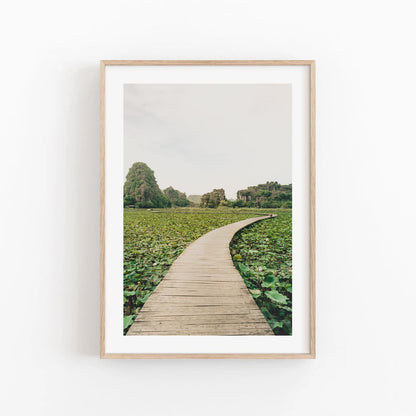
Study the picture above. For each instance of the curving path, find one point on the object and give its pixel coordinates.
(203, 293)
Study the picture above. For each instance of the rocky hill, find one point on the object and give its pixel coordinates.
(267, 195)
(213, 199)
(195, 199)
(141, 189)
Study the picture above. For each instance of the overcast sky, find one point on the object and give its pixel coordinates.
(197, 137)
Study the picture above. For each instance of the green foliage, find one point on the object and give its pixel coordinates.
(277, 297)
(238, 204)
(269, 280)
(267, 195)
(141, 189)
(262, 253)
(128, 322)
(255, 293)
(213, 199)
(153, 241)
(177, 199)
(129, 201)
(225, 203)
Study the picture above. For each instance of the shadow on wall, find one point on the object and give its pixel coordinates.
(83, 158)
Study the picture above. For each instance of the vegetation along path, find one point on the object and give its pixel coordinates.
(203, 294)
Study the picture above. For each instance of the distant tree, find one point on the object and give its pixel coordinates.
(129, 201)
(225, 203)
(238, 204)
(176, 198)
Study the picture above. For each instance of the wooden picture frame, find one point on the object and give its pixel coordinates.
(310, 66)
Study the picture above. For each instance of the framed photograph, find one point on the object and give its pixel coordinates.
(207, 209)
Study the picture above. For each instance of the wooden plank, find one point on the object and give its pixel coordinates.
(102, 210)
(284, 62)
(234, 318)
(201, 310)
(223, 331)
(213, 293)
(312, 196)
(197, 326)
(166, 296)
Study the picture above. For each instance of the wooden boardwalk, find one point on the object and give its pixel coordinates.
(203, 293)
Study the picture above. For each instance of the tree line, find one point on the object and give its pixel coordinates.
(142, 191)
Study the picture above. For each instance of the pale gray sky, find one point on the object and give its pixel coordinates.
(197, 137)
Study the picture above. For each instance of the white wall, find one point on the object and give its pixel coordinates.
(49, 92)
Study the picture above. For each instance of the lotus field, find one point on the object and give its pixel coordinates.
(262, 253)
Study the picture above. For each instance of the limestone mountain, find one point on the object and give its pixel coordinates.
(267, 195)
(213, 199)
(141, 189)
(195, 199)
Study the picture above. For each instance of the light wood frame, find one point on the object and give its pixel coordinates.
(312, 290)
